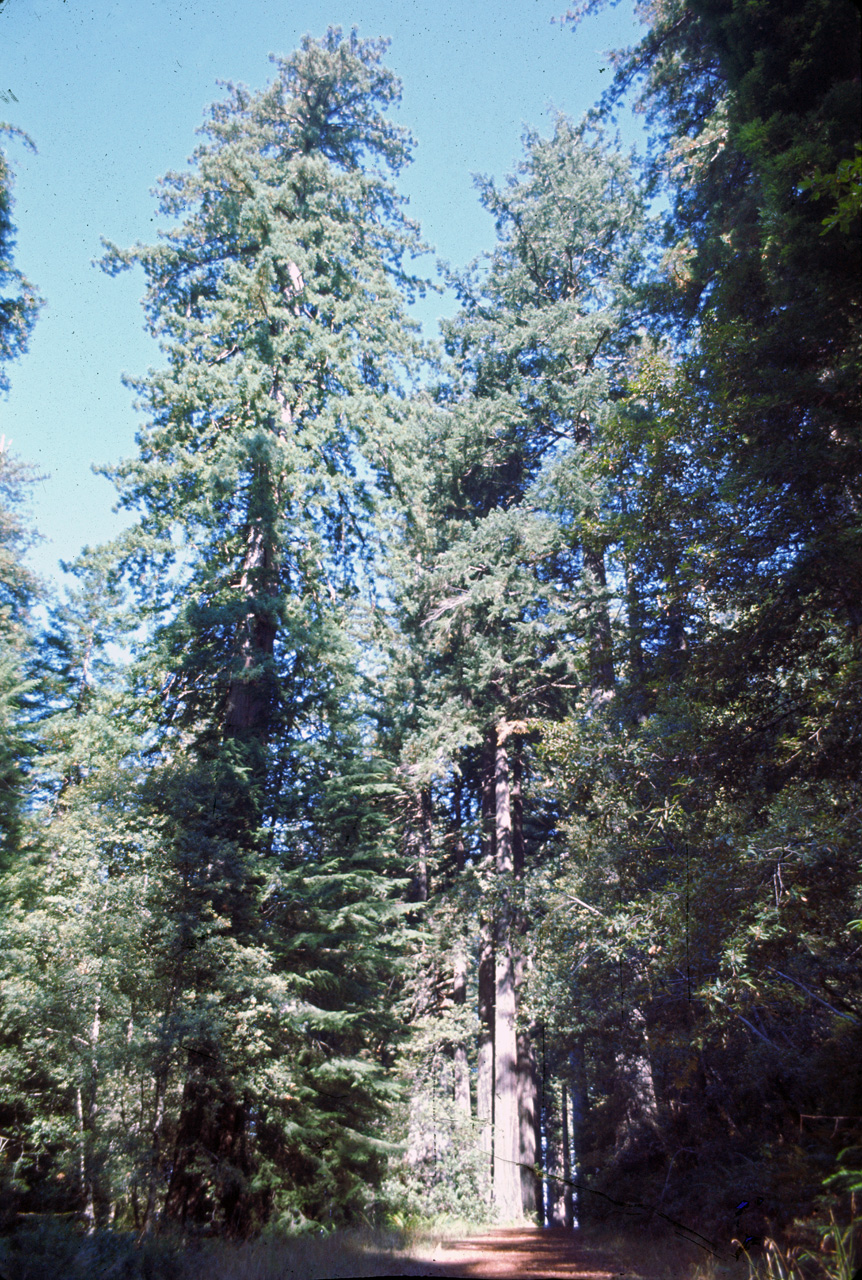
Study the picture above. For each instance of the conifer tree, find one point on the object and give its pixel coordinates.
(19, 301)
(278, 299)
(19, 589)
(19, 304)
(503, 590)
(734, 464)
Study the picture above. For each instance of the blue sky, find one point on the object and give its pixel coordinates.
(111, 92)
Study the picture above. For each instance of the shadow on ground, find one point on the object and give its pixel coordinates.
(523, 1252)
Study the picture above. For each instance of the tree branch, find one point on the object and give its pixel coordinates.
(819, 999)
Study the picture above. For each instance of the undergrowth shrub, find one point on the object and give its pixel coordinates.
(50, 1249)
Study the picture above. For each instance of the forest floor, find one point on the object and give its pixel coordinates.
(516, 1253)
(534, 1253)
(524, 1252)
(56, 1252)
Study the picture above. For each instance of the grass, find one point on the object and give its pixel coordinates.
(356, 1253)
(52, 1251)
(307, 1257)
(645, 1255)
(669, 1258)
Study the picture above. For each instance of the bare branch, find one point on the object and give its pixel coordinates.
(819, 999)
(451, 602)
(586, 906)
(760, 1034)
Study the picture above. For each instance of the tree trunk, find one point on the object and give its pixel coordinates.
(579, 1105)
(507, 1138)
(485, 1056)
(555, 1158)
(568, 1189)
(88, 1105)
(160, 1086)
(459, 847)
(420, 884)
(528, 1084)
(601, 637)
(677, 647)
(210, 1167)
(460, 1067)
(84, 1164)
(148, 1221)
(485, 1045)
(637, 1127)
(517, 814)
(251, 693)
(677, 639)
(635, 631)
(530, 1129)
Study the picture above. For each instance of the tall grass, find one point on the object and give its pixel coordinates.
(340, 1254)
(676, 1258)
(837, 1258)
(50, 1250)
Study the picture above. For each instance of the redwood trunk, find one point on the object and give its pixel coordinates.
(555, 1155)
(485, 1056)
(507, 1138)
(530, 1127)
(210, 1164)
(485, 1042)
(460, 1067)
(637, 1129)
(250, 700)
(528, 1080)
(579, 1105)
(568, 1201)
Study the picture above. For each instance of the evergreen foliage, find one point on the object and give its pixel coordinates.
(443, 799)
(19, 590)
(19, 304)
(223, 873)
(19, 301)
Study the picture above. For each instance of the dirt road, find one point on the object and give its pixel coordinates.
(527, 1253)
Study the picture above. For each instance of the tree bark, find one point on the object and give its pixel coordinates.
(517, 813)
(160, 1086)
(84, 1163)
(555, 1157)
(460, 1067)
(426, 815)
(210, 1164)
(459, 847)
(637, 1127)
(635, 632)
(156, 1127)
(528, 1082)
(579, 1107)
(87, 1105)
(507, 1138)
(250, 700)
(530, 1128)
(485, 1044)
(485, 1055)
(568, 1189)
(252, 691)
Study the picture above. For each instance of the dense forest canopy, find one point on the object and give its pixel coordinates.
(444, 797)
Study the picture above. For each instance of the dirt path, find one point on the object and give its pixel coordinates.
(527, 1253)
